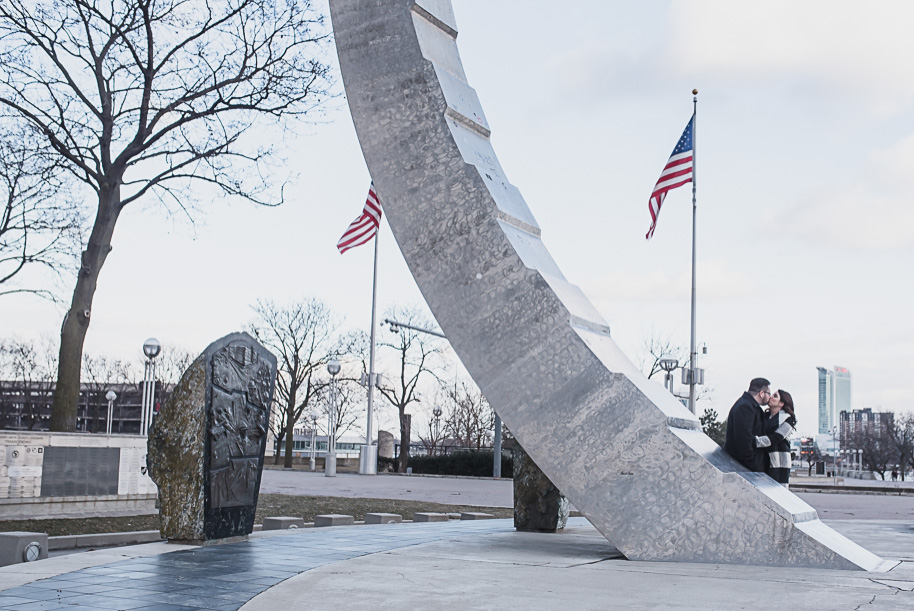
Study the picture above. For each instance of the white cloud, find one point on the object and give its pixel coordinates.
(871, 212)
(894, 164)
(863, 48)
(852, 218)
(717, 278)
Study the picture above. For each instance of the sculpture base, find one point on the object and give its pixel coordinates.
(368, 459)
(538, 504)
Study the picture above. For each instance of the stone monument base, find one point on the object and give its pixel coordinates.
(538, 504)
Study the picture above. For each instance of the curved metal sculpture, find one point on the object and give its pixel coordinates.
(630, 457)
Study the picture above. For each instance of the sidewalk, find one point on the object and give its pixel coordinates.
(446, 566)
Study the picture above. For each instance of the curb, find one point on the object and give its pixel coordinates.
(815, 488)
(95, 540)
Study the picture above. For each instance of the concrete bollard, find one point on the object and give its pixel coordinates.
(282, 522)
(333, 520)
(475, 516)
(430, 517)
(378, 518)
(22, 547)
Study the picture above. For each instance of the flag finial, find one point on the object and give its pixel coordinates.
(694, 92)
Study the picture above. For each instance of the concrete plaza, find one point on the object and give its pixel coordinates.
(454, 565)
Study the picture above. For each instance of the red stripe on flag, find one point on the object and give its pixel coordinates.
(365, 226)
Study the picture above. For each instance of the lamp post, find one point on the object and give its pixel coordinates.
(312, 463)
(496, 449)
(668, 365)
(437, 413)
(110, 396)
(151, 348)
(333, 366)
(834, 444)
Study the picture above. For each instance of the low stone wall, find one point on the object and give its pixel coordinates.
(55, 475)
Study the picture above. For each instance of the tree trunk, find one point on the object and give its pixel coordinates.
(76, 321)
(290, 427)
(405, 426)
(279, 439)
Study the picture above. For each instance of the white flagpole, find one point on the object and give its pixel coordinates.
(368, 463)
(692, 352)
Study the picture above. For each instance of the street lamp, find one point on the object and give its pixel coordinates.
(668, 365)
(437, 414)
(333, 366)
(834, 459)
(312, 463)
(110, 396)
(151, 348)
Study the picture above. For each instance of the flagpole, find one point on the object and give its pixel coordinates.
(368, 463)
(692, 352)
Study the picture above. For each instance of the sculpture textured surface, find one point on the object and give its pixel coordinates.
(629, 456)
(206, 445)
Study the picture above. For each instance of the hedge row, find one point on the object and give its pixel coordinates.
(456, 464)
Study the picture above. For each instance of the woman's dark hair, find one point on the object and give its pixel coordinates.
(788, 402)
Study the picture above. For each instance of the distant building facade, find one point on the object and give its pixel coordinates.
(855, 423)
(26, 406)
(834, 396)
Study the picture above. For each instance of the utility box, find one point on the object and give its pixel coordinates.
(22, 547)
(687, 376)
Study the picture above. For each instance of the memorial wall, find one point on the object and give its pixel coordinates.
(54, 474)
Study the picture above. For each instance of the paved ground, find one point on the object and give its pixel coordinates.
(458, 564)
(446, 566)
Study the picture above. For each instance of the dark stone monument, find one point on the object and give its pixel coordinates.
(538, 504)
(206, 444)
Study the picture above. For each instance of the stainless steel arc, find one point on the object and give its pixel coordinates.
(629, 456)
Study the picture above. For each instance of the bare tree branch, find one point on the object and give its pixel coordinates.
(141, 98)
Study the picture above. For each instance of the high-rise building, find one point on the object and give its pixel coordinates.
(834, 396)
(826, 400)
(842, 390)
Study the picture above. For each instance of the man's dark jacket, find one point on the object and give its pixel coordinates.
(746, 421)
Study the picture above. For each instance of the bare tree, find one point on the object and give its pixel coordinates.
(152, 98)
(434, 430)
(350, 404)
(902, 434)
(36, 228)
(301, 335)
(99, 374)
(656, 348)
(470, 419)
(414, 351)
(811, 454)
(171, 364)
(29, 367)
(878, 452)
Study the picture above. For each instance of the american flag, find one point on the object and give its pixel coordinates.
(677, 172)
(364, 228)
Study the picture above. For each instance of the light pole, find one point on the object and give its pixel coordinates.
(437, 413)
(151, 348)
(834, 444)
(333, 366)
(110, 396)
(668, 365)
(312, 463)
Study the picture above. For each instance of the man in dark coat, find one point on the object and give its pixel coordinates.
(746, 421)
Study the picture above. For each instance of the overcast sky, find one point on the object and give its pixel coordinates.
(805, 150)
